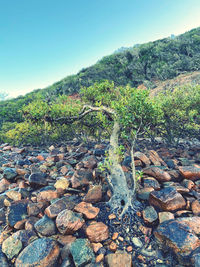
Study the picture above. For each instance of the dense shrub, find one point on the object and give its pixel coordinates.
(180, 113)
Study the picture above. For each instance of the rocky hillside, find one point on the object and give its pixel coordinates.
(53, 208)
(181, 80)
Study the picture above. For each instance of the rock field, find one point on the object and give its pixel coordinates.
(53, 208)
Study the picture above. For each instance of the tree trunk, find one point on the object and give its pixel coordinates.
(122, 193)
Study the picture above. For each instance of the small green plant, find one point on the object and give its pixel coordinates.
(106, 164)
(120, 151)
(139, 175)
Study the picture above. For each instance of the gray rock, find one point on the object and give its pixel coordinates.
(45, 226)
(149, 215)
(37, 179)
(151, 182)
(41, 252)
(9, 173)
(11, 247)
(81, 252)
(24, 236)
(17, 212)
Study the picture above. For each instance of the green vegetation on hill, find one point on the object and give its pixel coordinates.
(159, 60)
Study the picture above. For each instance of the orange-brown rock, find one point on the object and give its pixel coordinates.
(196, 165)
(155, 158)
(20, 225)
(182, 213)
(40, 157)
(165, 153)
(18, 150)
(14, 195)
(99, 258)
(165, 216)
(68, 222)
(65, 239)
(94, 194)
(120, 238)
(21, 172)
(121, 259)
(62, 183)
(160, 175)
(53, 158)
(89, 211)
(97, 232)
(115, 236)
(47, 195)
(125, 169)
(96, 247)
(113, 246)
(90, 162)
(111, 216)
(182, 189)
(141, 156)
(61, 156)
(129, 248)
(4, 185)
(64, 170)
(190, 172)
(22, 184)
(167, 199)
(192, 222)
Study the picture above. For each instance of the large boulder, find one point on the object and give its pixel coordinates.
(41, 252)
(178, 236)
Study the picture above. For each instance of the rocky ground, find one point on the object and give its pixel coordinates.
(53, 208)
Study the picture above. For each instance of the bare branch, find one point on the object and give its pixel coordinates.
(86, 110)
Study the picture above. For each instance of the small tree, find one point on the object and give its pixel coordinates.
(127, 112)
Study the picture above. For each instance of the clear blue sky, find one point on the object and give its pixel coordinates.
(43, 41)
